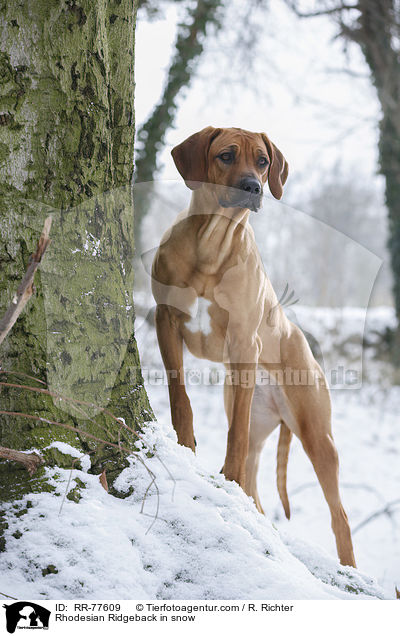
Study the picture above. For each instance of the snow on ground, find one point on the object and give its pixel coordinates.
(208, 541)
(366, 428)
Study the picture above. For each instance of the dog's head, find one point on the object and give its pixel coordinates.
(238, 160)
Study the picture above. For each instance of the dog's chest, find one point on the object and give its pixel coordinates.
(204, 332)
(200, 321)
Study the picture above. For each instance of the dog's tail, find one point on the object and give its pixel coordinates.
(285, 437)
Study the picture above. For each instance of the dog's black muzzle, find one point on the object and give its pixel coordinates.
(247, 194)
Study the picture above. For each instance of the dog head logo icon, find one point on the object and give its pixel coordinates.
(26, 615)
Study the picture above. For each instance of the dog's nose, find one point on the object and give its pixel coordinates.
(250, 185)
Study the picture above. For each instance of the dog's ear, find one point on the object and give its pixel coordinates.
(191, 156)
(278, 168)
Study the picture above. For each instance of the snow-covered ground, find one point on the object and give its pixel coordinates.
(366, 427)
(208, 541)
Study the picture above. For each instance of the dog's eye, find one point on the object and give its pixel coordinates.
(262, 162)
(227, 157)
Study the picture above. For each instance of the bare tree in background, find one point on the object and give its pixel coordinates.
(374, 25)
(189, 46)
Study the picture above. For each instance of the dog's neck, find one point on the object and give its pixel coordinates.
(204, 203)
(218, 230)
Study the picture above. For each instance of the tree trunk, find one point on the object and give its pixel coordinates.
(375, 36)
(376, 29)
(66, 147)
(389, 155)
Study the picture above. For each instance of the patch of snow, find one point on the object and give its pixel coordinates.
(67, 449)
(207, 542)
(92, 244)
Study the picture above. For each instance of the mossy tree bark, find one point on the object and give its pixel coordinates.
(66, 147)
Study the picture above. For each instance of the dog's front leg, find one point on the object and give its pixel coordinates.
(242, 377)
(171, 347)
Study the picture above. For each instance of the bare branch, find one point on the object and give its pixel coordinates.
(69, 427)
(121, 423)
(347, 71)
(23, 375)
(316, 14)
(387, 510)
(350, 33)
(67, 487)
(25, 290)
(79, 431)
(31, 461)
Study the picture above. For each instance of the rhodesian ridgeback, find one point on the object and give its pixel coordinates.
(209, 256)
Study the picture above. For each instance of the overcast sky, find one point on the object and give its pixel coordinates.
(293, 90)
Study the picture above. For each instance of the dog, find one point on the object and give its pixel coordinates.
(209, 256)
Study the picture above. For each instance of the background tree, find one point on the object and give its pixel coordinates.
(189, 46)
(66, 138)
(374, 25)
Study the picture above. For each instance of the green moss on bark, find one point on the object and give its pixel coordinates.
(66, 139)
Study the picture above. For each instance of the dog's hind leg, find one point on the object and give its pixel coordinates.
(322, 452)
(264, 419)
(311, 422)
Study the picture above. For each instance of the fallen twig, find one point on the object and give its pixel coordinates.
(25, 290)
(67, 487)
(7, 596)
(158, 502)
(31, 461)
